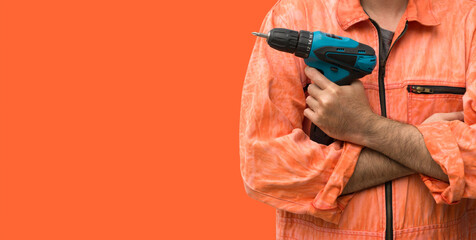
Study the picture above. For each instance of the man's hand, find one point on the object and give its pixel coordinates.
(437, 117)
(340, 111)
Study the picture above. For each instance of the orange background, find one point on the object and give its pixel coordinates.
(119, 120)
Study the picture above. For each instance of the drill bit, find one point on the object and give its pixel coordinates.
(260, 35)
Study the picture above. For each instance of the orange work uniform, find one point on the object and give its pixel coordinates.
(433, 52)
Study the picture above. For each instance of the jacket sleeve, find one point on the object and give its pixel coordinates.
(279, 164)
(452, 144)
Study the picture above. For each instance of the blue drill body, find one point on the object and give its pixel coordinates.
(365, 60)
(340, 59)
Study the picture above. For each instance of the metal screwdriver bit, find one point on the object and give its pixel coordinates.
(260, 35)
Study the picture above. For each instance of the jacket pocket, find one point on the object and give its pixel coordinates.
(425, 100)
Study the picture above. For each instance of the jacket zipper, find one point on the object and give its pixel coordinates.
(383, 110)
(429, 89)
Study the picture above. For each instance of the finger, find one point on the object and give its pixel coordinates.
(320, 80)
(314, 91)
(430, 119)
(312, 103)
(308, 113)
(453, 116)
(438, 117)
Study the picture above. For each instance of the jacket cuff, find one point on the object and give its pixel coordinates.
(442, 145)
(328, 204)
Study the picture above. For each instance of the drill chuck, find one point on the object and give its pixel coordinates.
(290, 41)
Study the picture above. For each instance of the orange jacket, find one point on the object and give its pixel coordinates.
(282, 167)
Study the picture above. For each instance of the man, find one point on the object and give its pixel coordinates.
(404, 165)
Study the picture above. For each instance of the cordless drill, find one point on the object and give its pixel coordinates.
(339, 59)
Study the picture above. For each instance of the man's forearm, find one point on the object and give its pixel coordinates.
(402, 143)
(373, 169)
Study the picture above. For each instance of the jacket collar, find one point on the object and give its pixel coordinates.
(350, 12)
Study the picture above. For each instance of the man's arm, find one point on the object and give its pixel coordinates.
(403, 143)
(373, 169)
(343, 112)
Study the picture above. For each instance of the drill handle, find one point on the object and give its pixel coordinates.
(319, 136)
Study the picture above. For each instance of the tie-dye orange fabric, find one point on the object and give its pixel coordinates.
(282, 167)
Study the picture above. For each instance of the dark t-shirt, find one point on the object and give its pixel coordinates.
(385, 46)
